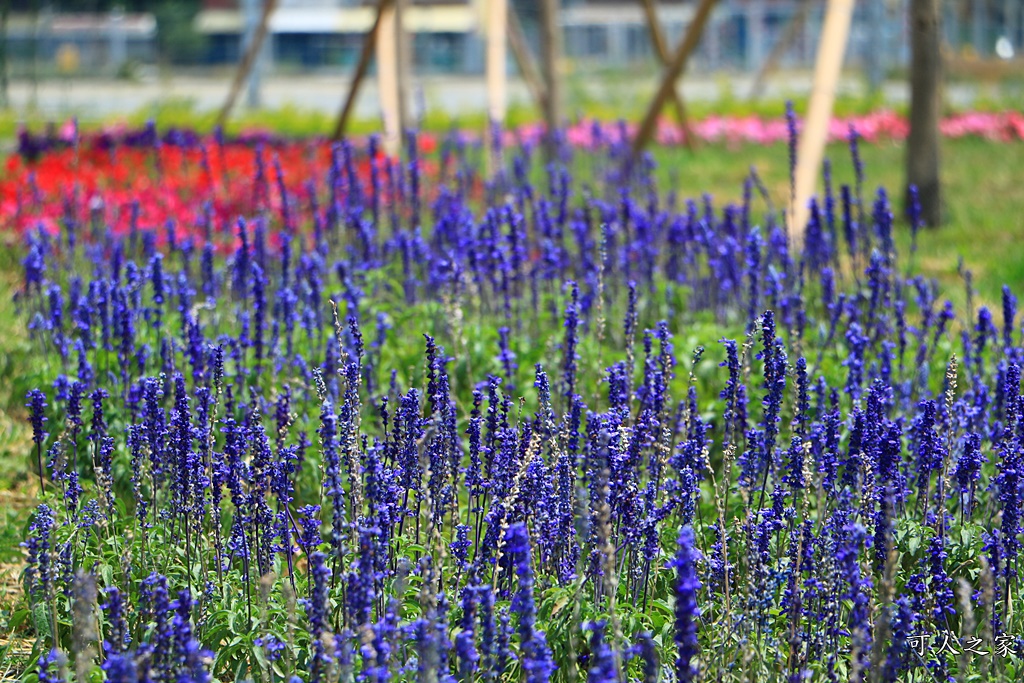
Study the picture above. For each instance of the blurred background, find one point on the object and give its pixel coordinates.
(95, 58)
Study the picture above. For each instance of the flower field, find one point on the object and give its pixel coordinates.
(304, 412)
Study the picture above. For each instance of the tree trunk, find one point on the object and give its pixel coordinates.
(551, 55)
(925, 102)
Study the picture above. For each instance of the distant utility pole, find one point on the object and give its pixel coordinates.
(979, 26)
(253, 40)
(755, 33)
(925, 102)
(118, 40)
(876, 45)
(1011, 16)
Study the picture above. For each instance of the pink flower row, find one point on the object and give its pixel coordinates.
(733, 130)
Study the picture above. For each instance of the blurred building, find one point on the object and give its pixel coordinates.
(312, 34)
(88, 42)
(446, 35)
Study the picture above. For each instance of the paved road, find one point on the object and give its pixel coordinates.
(451, 94)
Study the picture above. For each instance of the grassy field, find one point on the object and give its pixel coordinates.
(984, 200)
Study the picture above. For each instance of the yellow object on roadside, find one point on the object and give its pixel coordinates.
(67, 58)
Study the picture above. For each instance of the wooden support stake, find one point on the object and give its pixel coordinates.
(793, 27)
(365, 55)
(497, 70)
(834, 34)
(403, 59)
(524, 59)
(671, 75)
(248, 59)
(662, 53)
(387, 80)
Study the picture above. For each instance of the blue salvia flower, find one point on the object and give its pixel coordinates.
(55, 324)
(155, 605)
(731, 425)
(309, 527)
(940, 583)
(465, 641)
(460, 546)
(474, 471)
(968, 470)
(930, 450)
(602, 666)
(507, 358)
(333, 486)
(316, 612)
(104, 472)
(116, 636)
(98, 427)
(791, 130)
(753, 272)
(849, 539)
(535, 658)
(647, 651)
(34, 262)
(816, 247)
(883, 220)
(41, 571)
(1009, 313)
(569, 362)
(993, 548)
(857, 344)
(900, 655)
(52, 667)
(362, 580)
(191, 658)
(858, 164)
(135, 442)
(503, 649)
(775, 383)
(687, 612)
(119, 668)
(1010, 471)
(273, 647)
(37, 415)
(490, 639)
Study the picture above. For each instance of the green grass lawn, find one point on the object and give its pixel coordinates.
(983, 198)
